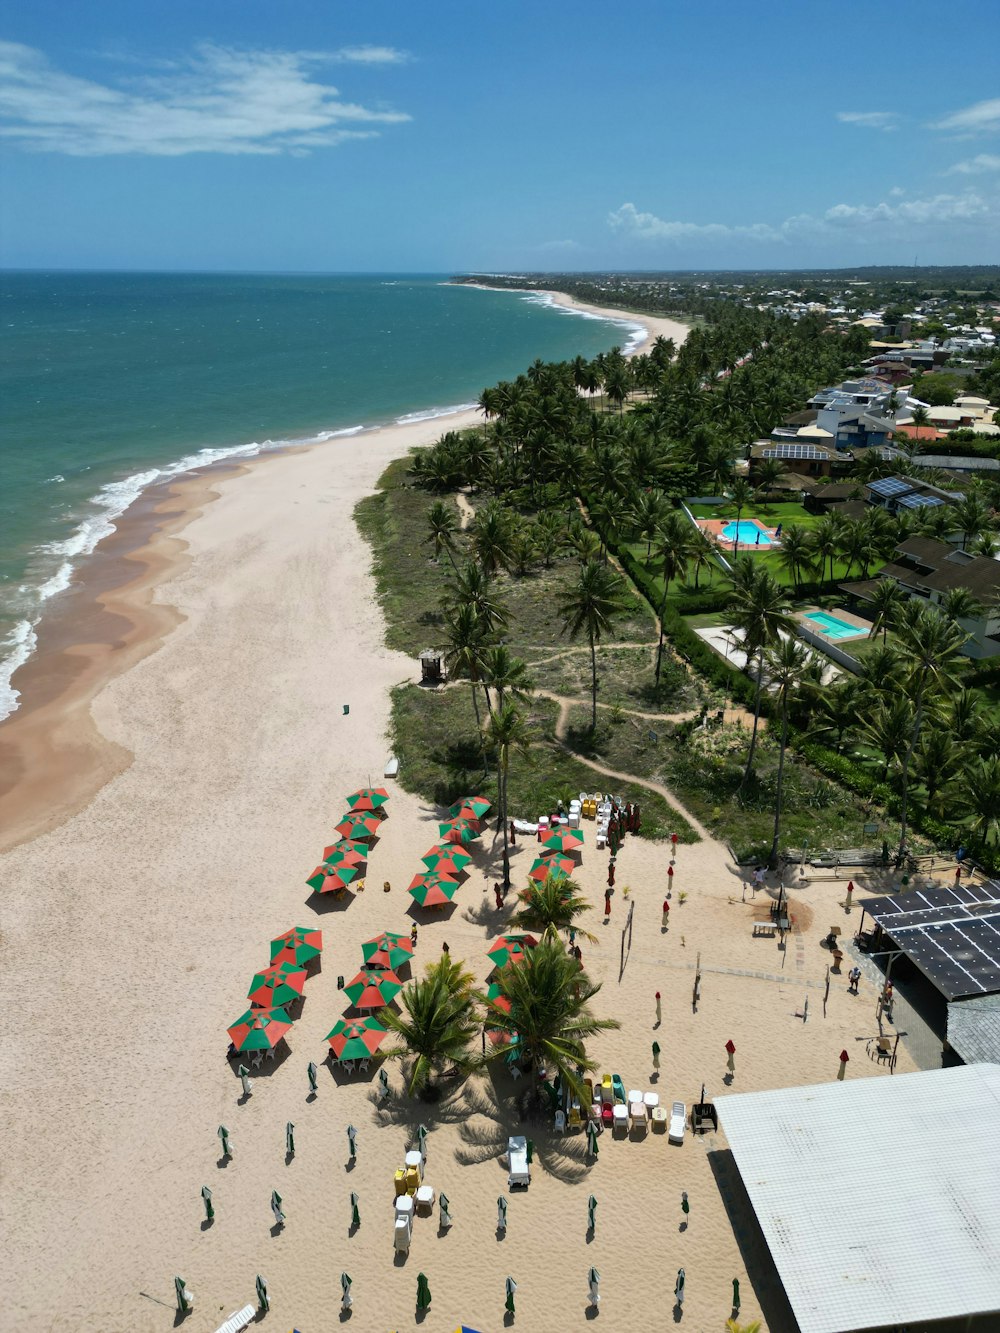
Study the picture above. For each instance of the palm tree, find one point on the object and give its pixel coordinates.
(671, 556)
(590, 607)
(442, 526)
(960, 604)
(507, 732)
(466, 642)
(649, 510)
(702, 553)
(551, 536)
(553, 905)
(937, 762)
(473, 585)
(827, 538)
(758, 607)
(836, 711)
(768, 472)
(887, 728)
(505, 674)
(741, 493)
(786, 661)
(491, 537)
(886, 600)
(436, 1024)
(549, 1017)
(979, 798)
(796, 553)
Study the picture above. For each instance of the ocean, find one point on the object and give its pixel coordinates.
(112, 381)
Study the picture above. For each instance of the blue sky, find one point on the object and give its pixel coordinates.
(440, 136)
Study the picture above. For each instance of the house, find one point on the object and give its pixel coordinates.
(931, 569)
(958, 463)
(845, 498)
(899, 494)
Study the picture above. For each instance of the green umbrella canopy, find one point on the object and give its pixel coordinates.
(259, 1029)
(387, 950)
(372, 988)
(510, 947)
(345, 852)
(432, 890)
(358, 827)
(281, 983)
(333, 878)
(459, 830)
(563, 840)
(559, 867)
(470, 807)
(298, 945)
(368, 798)
(355, 1038)
(448, 860)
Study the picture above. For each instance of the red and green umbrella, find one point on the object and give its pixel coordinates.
(449, 860)
(459, 830)
(470, 807)
(333, 879)
(498, 1036)
(495, 993)
(281, 983)
(387, 950)
(511, 947)
(259, 1029)
(373, 989)
(368, 798)
(345, 854)
(356, 1038)
(563, 840)
(297, 945)
(358, 827)
(559, 867)
(432, 890)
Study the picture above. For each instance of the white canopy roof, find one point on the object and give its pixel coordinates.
(878, 1197)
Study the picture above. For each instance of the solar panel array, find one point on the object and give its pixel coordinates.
(920, 501)
(806, 451)
(890, 486)
(952, 935)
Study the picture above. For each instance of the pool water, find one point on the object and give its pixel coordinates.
(832, 626)
(746, 532)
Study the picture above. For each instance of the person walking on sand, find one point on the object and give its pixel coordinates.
(854, 976)
(413, 935)
(665, 919)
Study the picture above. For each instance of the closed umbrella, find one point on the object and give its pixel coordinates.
(423, 1293)
(279, 1216)
(685, 1206)
(445, 1206)
(346, 1300)
(592, 1213)
(206, 1196)
(432, 890)
(368, 798)
(510, 1286)
(185, 1299)
(259, 1029)
(736, 1295)
(594, 1286)
(352, 1142)
(358, 827)
(279, 984)
(470, 807)
(731, 1052)
(592, 1147)
(656, 1055)
(312, 1074)
(290, 1139)
(355, 1215)
(448, 860)
(262, 1298)
(244, 1074)
(679, 1287)
(387, 949)
(373, 989)
(422, 1139)
(383, 1079)
(223, 1133)
(298, 945)
(356, 1038)
(501, 1213)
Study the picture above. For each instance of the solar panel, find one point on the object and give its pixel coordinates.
(799, 451)
(920, 501)
(889, 486)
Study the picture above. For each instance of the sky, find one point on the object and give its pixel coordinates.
(444, 136)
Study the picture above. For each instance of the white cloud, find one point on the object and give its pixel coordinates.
(980, 118)
(370, 55)
(871, 120)
(975, 166)
(881, 219)
(217, 100)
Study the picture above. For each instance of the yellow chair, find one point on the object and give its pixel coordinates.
(399, 1182)
(412, 1180)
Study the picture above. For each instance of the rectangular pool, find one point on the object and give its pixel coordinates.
(832, 626)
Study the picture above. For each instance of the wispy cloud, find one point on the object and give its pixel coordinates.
(870, 120)
(217, 100)
(370, 55)
(976, 166)
(870, 219)
(980, 118)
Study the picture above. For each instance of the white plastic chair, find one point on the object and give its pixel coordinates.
(560, 1122)
(675, 1130)
(515, 1072)
(256, 1059)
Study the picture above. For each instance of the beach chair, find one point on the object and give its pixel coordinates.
(399, 1182)
(573, 1119)
(619, 1089)
(364, 1066)
(515, 1071)
(518, 1170)
(240, 1320)
(589, 1085)
(401, 1233)
(619, 1114)
(560, 1123)
(256, 1059)
(607, 1089)
(675, 1130)
(607, 1115)
(637, 1116)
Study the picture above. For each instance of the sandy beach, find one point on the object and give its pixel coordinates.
(217, 760)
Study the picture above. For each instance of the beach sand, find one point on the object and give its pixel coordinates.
(132, 926)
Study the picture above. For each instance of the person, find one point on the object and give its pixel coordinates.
(887, 997)
(958, 872)
(854, 976)
(386, 886)
(498, 894)
(578, 954)
(572, 937)
(560, 808)
(638, 819)
(413, 934)
(611, 873)
(513, 834)
(444, 947)
(666, 913)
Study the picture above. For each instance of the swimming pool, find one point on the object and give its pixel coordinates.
(832, 626)
(747, 532)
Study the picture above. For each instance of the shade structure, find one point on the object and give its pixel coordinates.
(334, 879)
(470, 807)
(259, 1029)
(432, 890)
(281, 983)
(509, 948)
(372, 989)
(298, 945)
(495, 993)
(358, 827)
(345, 852)
(387, 950)
(356, 1038)
(450, 859)
(563, 840)
(368, 798)
(559, 867)
(459, 830)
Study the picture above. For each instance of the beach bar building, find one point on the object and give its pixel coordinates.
(877, 1199)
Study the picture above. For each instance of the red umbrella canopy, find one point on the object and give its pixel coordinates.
(356, 1038)
(511, 947)
(346, 853)
(446, 860)
(259, 1029)
(372, 989)
(459, 830)
(387, 950)
(297, 945)
(281, 983)
(559, 866)
(368, 798)
(358, 827)
(470, 807)
(432, 890)
(333, 879)
(563, 840)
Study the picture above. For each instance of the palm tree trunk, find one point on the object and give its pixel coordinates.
(905, 786)
(593, 689)
(772, 860)
(659, 646)
(756, 719)
(502, 775)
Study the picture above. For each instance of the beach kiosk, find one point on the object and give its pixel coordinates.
(432, 666)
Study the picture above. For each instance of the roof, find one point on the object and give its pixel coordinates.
(891, 487)
(919, 501)
(799, 451)
(920, 432)
(815, 433)
(952, 935)
(963, 463)
(877, 1196)
(974, 1029)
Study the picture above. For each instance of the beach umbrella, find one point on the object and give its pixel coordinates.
(736, 1295)
(345, 853)
(432, 890)
(510, 1286)
(656, 1055)
(372, 989)
(387, 949)
(356, 1038)
(423, 1292)
(259, 1029)
(449, 860)
(355, 1215)
(244, 1074)
(445, 1206)
(530, 1150)
(279, 984)
(592, 1147)
(298, 945)
(592, 1213)
(685, 1206)
(185, 1299)
(844, 1057)
(358, 827)
(559, 867)
(458, 830)
(422, 1139)
(368, 798)
(509, 948)
(501, 1213)
(679, 1287)
(383, 1079)
(564, 840)
(346, 1300)
(223, 1133)
(495, 993)
(470, 807)
(290, 1139)
(206, 1196)
(279, 1216)
(352, 1142)
(731, 1063)
(334, 879)
(262, 1299)
(594, 1286)
(312, 1075)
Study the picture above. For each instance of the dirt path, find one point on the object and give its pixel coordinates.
(465, 510)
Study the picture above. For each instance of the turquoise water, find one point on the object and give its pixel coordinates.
(110, 382)
(833, 626)
(748, 532)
